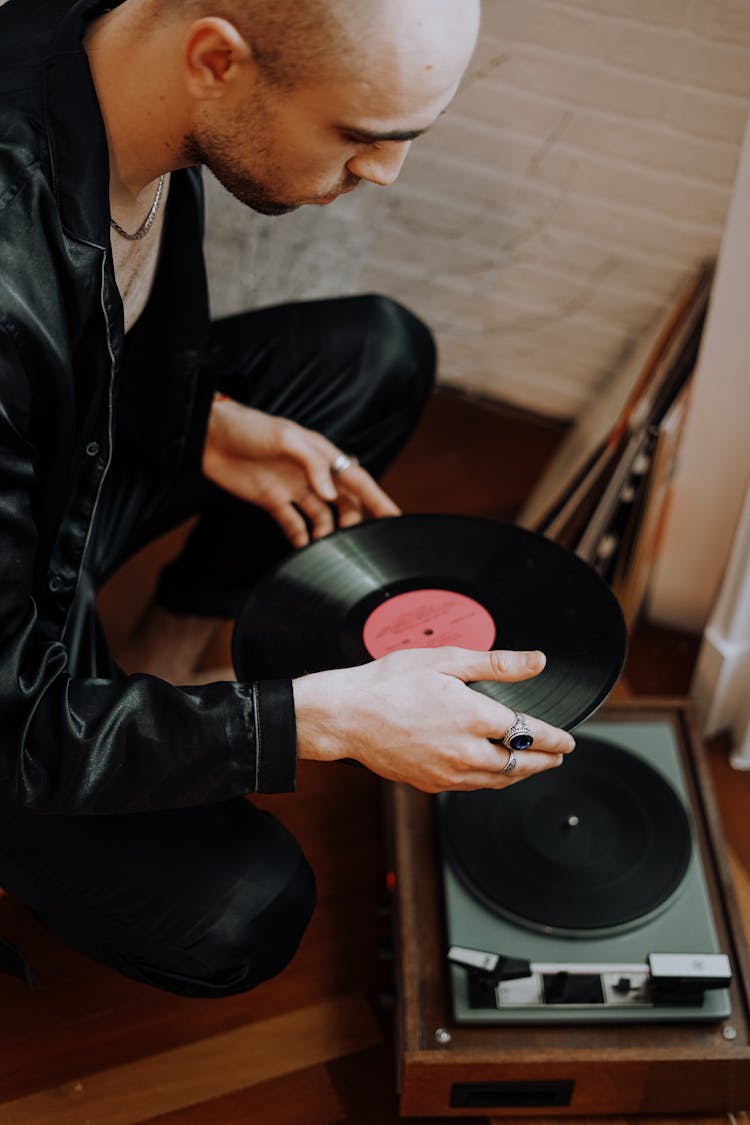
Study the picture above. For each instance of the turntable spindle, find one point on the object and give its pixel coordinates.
(572, 821)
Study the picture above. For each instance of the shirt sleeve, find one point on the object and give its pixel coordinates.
(74, 745)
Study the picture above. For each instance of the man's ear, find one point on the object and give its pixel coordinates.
(216, 54)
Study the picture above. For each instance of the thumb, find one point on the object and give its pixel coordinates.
(503, 665)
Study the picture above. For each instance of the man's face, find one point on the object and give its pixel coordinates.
(277, 149)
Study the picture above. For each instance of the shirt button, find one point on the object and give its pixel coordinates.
(92, 448)
(55, 583)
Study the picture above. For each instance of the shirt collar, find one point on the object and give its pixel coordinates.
(75, 128)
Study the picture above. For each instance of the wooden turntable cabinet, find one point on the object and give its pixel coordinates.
(446, 1068)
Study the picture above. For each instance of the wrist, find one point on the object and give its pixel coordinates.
(318, 732)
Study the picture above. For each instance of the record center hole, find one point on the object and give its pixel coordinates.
(429, 632)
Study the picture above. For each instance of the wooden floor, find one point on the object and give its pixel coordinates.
(313, 1047)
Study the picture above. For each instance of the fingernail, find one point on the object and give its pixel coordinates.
(534, 659)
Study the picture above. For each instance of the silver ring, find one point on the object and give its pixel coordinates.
(519, 735)
(510, 765)
(342, 462)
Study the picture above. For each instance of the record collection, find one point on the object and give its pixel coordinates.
(606, 492)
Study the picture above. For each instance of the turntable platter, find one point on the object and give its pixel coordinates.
(599, 843)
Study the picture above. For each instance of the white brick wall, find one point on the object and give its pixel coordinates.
(583, 170)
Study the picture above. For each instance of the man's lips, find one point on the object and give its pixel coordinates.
(326, 199)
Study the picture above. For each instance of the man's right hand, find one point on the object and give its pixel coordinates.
(411, 717)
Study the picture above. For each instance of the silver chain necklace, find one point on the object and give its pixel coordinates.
(148, 222)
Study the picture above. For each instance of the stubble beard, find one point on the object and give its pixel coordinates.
(216, 156)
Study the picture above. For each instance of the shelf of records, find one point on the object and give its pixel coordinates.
(606, 492)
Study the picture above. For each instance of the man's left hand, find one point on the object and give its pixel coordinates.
(285, 469)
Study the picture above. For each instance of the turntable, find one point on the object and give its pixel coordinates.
(589, 872)
(579, 950)
(608, 898)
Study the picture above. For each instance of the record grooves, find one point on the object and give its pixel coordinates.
(426, 580)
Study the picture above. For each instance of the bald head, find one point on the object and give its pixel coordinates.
(295, 42)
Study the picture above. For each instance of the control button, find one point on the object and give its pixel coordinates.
(55, 583)
(92, 448)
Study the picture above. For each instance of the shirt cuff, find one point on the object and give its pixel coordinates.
(275, 737)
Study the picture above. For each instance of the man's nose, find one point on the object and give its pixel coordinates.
(380, 165)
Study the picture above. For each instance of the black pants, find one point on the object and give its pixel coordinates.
(210, 901)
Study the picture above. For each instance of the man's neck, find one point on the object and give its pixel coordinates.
(139, 94)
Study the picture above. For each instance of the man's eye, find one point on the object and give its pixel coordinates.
(353, 139)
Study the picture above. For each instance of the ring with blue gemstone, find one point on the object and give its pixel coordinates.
(519, 735)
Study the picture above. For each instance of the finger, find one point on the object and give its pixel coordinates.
(494, 756)
(508, 666)
(547, 737)
(319, 514)
(317, 462)
(349, 510)
(321, 481)
(489, 750)
(491, 720)
(315, 455)
(501, 665)
(552, 740)
(547, 740)
(292, 524)
(496, 779)
(359, 483)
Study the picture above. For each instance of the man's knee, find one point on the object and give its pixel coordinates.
(241, 947)
(404, 347)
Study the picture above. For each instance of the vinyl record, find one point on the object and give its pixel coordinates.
(600, 844)
(427, 580)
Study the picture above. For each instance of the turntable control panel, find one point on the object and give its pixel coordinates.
(497, 982)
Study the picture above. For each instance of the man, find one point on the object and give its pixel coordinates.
(123, 822)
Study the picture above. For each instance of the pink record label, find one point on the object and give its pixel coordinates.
(428, 619)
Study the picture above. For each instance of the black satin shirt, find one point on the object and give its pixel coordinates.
(75, 735)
